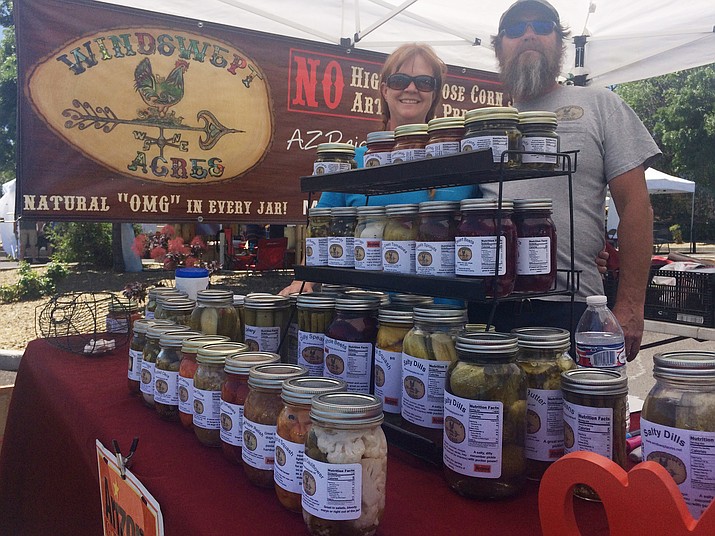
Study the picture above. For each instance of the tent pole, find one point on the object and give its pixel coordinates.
(692, 215)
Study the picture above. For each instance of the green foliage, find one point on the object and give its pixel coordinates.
(677, 233)
(83, 242)
(32, 284)
(8, 93)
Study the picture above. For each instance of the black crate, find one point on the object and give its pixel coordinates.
(690, 300)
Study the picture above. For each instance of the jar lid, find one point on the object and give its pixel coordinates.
(156, 291)
(411, 130)
(177, 304)
(396, 314)
(690, 365)
(547, 338)
(238, 300)
(316, 300)
(491, 113)
(346, 408)
(485, 203)
(155, 331)
(440, 314)
(335, 290)
(486, 343)
(163, 296)
(397, 210)
(175, 339)
(218, 352)
(369, 210)
(214, 296)
(344, 148)
(537, 117)
(343, 211)
(410, 299)
(242, 363)
(478, 328)
(302, 390)
(266, 301)
(191, 272)
(380, 135)
(383, 297)
(273, 375)
(441, 123)
(192, 344)
(141, 325)
(357, 302)
(593, 381)
(532, 204)
(318, 211)
(438, 206)
(118, 305)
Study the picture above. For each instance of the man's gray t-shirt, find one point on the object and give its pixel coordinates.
(611, 140)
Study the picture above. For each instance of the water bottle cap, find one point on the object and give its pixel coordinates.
(596, 300)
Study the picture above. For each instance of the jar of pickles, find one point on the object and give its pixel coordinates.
(350, 341)
(410, 143)
(233, 397)
(538, 135)
(427, 351)
(149, 355)
(542, 356)
(341, 237)
(266, 323)
(595, 396)
(208, 380)
(238, 300)
(315, 313)
(368, 237)
(177, 310)
(136, 350)
(436, 228)
(445, 136)
(379, 148)
(214, 313)
(154, 293)
(187, 369)
(260, 415)
(495, 128)
(334, 157)
(399, 239)
(678, 423)
(535, 245)
(476, 244)
(485, 398)
(394, 322)
(340, 421)
(166, 373)
(316, 241)
(292, 429)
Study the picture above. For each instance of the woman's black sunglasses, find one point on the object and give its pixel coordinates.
(423, 82)
(540, 27)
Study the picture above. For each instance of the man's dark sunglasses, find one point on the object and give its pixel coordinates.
(540, 27)
(423, 82)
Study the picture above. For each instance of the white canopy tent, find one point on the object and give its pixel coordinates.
(624, 41)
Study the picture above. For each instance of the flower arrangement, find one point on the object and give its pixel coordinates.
(165, 247)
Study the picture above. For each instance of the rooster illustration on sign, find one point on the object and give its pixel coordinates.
(158, 92)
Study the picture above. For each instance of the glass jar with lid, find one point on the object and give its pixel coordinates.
(238, 301)
(535, 245)
(260, 415)
(436, 228)
(379, 148)
(350, 341)
(476, 244)
(341, 237)
(121, 314)
(234, 391)
(496, 128)
(543, 357)
(368, 237)
(410, 300)
(316, 241)
(292, 428)
(485, 397)
(427, 351)
(399, 239)
(154, 293)
(166, 373)
(136, 350)
(538, 135)
(187, 369)
(315, 313)
(445, 136)
(266, 323)
(214, 313)
(291, 339)
(176, 309)
(149, 355)
(334, 157)
(341, 420)
(595, 395)
(394, 322)
(678, 423)
(208, 379)
(410, 142)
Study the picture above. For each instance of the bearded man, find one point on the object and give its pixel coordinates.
(614, 150)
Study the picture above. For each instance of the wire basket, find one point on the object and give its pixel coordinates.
(77, 322)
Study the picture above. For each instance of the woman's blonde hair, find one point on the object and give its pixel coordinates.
(398, 58)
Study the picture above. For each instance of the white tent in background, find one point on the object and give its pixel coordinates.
(7, 219)
(657, 183)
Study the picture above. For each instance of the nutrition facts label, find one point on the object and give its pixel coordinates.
(589, 429)
(332, 490)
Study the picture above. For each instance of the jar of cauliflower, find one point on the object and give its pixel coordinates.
(345, 465)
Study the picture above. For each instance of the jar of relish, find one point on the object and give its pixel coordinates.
(166, 374)
(476, 244)
(316, 241)
(535, 245)
(368, 237)
(538, 135)
(341, 237)
(445, 136)
(436, 228)
(399, 239)
(410, 142)
(334, 157)
(495, 128)
(379, 148)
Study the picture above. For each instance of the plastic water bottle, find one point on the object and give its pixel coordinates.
(599, 337)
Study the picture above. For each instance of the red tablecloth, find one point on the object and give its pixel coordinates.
(48, 470)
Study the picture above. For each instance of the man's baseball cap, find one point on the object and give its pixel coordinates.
(518, 7)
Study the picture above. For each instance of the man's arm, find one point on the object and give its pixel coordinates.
(635, 241)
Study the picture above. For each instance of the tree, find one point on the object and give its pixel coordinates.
(8, 93)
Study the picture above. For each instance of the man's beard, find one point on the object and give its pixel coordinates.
(528, 76)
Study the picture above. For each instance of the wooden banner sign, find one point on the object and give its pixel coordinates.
(152, 118)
